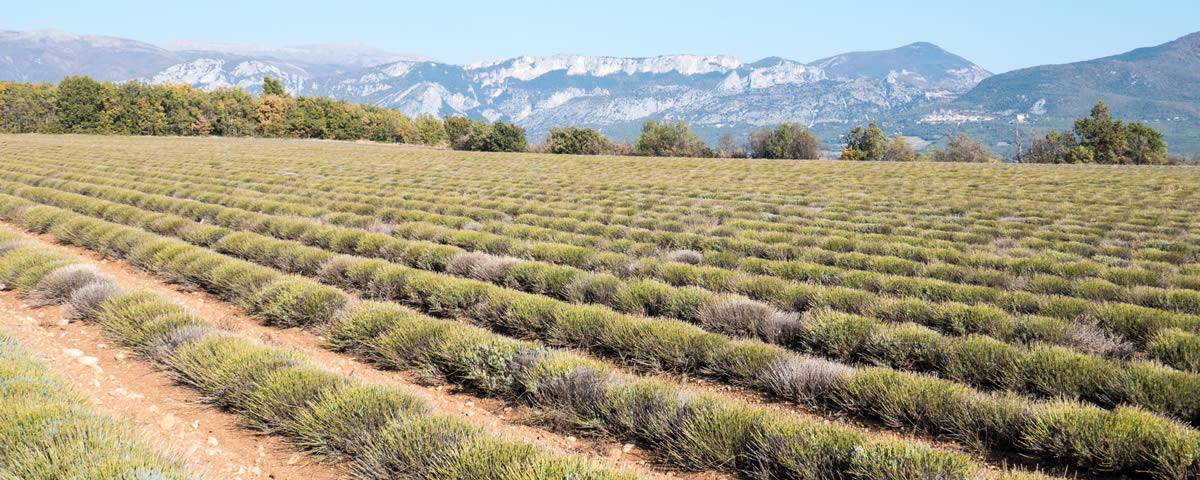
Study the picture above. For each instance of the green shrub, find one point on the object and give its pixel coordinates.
(1176, 348)
(139, 319)
(215, 365)
(444, 295)
(710, 434)
(430, 256)
(277, 398)
(22, 268)
(643, 297)
(1163, 390)
(1096, 289)
(298, 301)
(835, 334)
(687, 303)
(907, 461)
(339, 418)
(782, 449)
(1127, 440)
(599, 289)
(906, 347)
(418, 447)
(542, 279)
(1059, 372)
(239, 282)
(980, 360)
(49, 431)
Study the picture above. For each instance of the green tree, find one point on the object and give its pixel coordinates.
(1098, 138)
(140, 110)
(324, 117)
(506, 137)
(1145, 145)
(788, 140)
(430, 130)
(272, 86)
(868, 143)
(478, 137)
(28, 108)
(387, 125)
(231, 111)
(1102, 135)
(459, 131)
(577, 141)
(80, 104)
(660, 139)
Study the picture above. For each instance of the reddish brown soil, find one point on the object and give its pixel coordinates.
(170, 417)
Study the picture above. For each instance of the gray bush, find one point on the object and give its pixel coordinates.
(472, 226)
(333, 271)
(690, 257)
(744, 317)
(381, 227)
(166, 345)
(481, 266)
(11, 245)
(1091, 338)
(84, 301)
(804, 379)
(59, 285)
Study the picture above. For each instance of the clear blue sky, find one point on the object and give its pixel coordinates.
(1000, 35)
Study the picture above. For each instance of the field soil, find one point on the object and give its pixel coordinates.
(131, 388)
(171, 417)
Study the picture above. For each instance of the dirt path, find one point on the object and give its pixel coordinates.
(492, 414)
(171, 417)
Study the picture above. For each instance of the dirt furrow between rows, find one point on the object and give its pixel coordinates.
(172, 417)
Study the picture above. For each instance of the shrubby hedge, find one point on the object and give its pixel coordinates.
(381, 431)
(894, 397)
(48, 431)
(1037, 371)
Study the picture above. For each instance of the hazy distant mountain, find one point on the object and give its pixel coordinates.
(923, 63)
(1161, 82)
(712, 92)
(918, 89)
(343, 55)
(1159, 85)
(50, 55)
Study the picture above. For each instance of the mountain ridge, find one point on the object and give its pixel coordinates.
(918, 89)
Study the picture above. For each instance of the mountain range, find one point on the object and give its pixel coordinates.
(919, 90)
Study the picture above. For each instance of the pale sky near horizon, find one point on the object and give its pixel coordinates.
(998, 35)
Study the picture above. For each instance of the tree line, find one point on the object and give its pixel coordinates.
(79, 104)
(1098, 138)
(82, 105)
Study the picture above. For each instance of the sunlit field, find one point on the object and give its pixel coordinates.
(751, 318)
